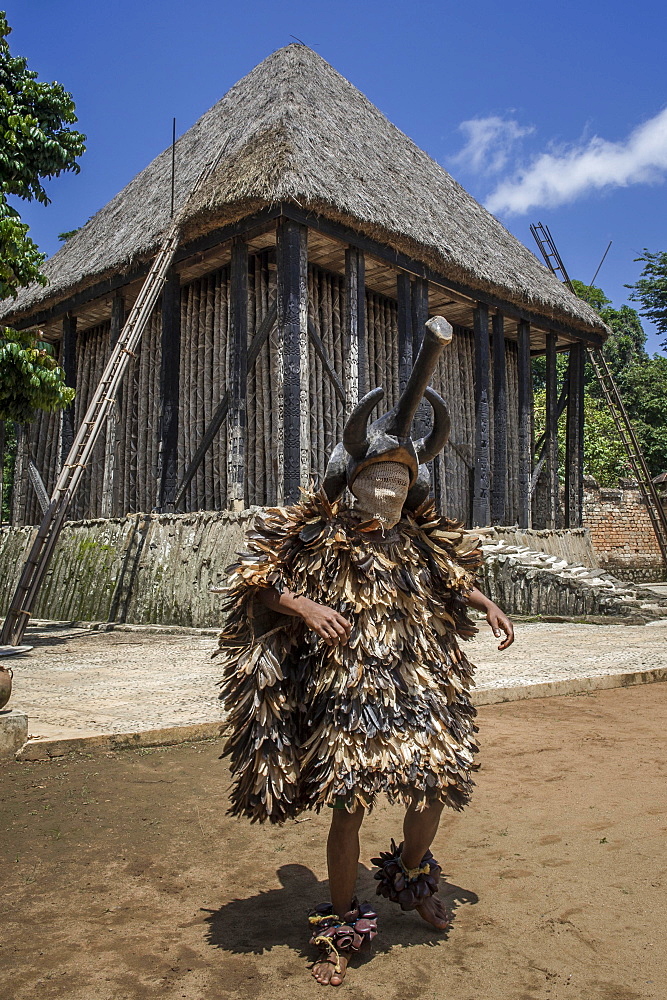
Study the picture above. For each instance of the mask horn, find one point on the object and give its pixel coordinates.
(355, 435)
(431, 445)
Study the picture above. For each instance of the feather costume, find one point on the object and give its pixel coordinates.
(387, 712)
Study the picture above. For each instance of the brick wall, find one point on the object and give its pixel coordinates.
(622, 533)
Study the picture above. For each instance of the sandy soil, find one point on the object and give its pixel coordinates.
(123, 879)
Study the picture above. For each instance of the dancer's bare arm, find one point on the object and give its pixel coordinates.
(325, 621)
(496, 618)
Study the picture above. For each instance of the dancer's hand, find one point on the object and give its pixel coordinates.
(326, 622)
(498, 621)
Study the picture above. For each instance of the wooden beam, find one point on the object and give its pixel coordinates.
(551, 432)
(321, 352)
(250, 226)
(574, 441)
(499, 473)
(68, 364)
(109, 484)
(481, 500)
(404, 296)
(356, 351)
(170, 365)
(344, 234)
(525, 379)
(238, 376)
(292, 317)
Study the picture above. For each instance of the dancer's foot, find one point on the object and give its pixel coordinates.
(324, 969)
(434, 912)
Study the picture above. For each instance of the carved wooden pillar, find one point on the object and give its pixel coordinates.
(404, 319)
(499, 475)
(68, 364)
(109, 505)
(551, 432)
(356, 349)
(525, 380)
(292, 319)
(238, 377)
(481, 506)
(574, 447)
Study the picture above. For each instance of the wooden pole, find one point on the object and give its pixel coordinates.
(20, 487)
(68, 364)
(551, 432)
(356, 351)
(292, 318)
(170, 365)
(404, 296)
(525, 380)
(481, 507)
(109, 485)
(499, 476)
(238, 376)
(419, 309)
(574, 445)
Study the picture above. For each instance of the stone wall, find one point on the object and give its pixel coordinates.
(622, 533)
(143, 568)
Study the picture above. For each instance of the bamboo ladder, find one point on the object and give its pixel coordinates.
(94, 420)
(614, 401)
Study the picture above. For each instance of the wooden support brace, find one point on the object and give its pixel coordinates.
(481, 503)
(321, 352)
(499, 473)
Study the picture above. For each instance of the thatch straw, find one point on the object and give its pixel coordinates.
(294, 130)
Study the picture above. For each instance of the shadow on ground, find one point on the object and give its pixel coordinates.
(279, 916)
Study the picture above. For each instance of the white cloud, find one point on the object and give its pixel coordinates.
(556, 178)
(488, 143)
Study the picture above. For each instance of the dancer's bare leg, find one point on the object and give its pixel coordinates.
(342, 861)
(419, 830)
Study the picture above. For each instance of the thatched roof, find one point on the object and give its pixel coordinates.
(295, 130)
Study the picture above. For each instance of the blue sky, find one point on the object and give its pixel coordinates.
(544, 112)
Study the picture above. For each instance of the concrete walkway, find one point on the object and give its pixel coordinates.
(147, 682)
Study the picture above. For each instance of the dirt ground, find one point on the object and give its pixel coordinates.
(122, 878)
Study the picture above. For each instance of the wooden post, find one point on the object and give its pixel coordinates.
(20, 482)
(292, 318)
(574, 446)
(109, 484)
(419, 302)
(356, 352)
(499, 476)
(525, 380)
(238, 376)
(481, 507)
(170, 364)
(551, 432)
(404, 296)
(68, 364)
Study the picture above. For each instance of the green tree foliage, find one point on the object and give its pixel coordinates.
(31, 378)
(604, 454)
(651, 289)
(36, 143)
(642, 382)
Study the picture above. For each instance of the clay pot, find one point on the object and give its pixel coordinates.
(6, 674)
